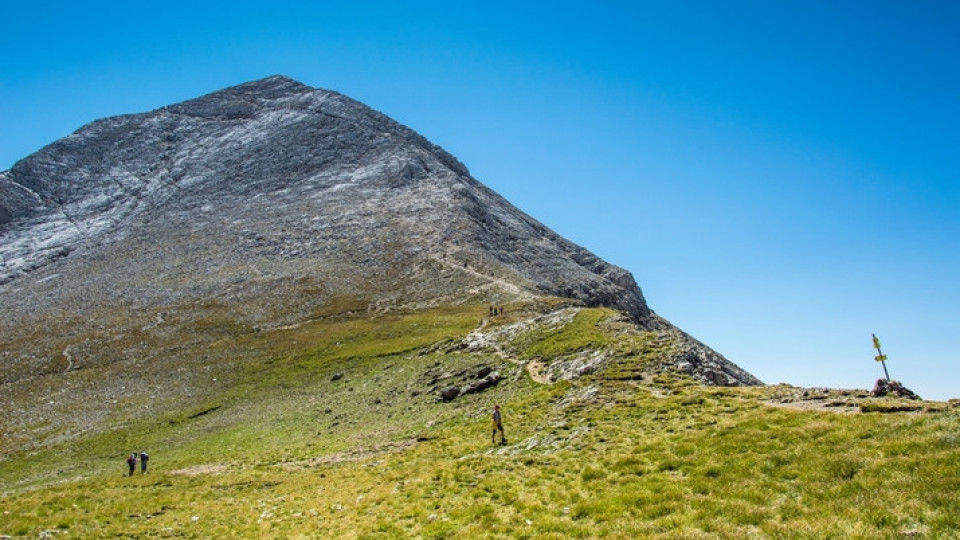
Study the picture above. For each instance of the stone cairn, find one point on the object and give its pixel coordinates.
(885, 387)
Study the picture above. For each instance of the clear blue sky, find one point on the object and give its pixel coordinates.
(782, 178)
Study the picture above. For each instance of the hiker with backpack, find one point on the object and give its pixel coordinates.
(132, 462)
(498, 425)
(144, 457)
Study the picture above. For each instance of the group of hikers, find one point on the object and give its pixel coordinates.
(132, 461)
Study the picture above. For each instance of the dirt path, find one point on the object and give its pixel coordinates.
(535, 369)
(492, 281)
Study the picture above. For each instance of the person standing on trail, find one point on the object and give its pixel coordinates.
(144, 457)
(132, 462)
(498, 425)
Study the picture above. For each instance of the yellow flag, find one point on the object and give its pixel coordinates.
(881, 357)
(876, 342)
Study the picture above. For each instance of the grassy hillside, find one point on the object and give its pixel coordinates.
(334, 429)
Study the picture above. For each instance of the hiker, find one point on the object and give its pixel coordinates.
(498, 425)
(132, 462)
(144, 457)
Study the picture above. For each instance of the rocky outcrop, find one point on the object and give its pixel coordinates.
(709, 367)
(449, 386)
(681, 352)
(884, 387)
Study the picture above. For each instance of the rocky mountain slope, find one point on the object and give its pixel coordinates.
(273, 175)
(140, 244)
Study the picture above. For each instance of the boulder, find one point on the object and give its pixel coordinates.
(450, 393)
(479, 386)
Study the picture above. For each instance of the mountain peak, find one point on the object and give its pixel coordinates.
(242, 100)
(268, 87)
(275, 80)
(279, 201)
(368, 192)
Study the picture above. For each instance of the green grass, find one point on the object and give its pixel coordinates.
(554, 341)
(284, 451)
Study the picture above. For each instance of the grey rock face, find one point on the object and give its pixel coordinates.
(272, 180)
